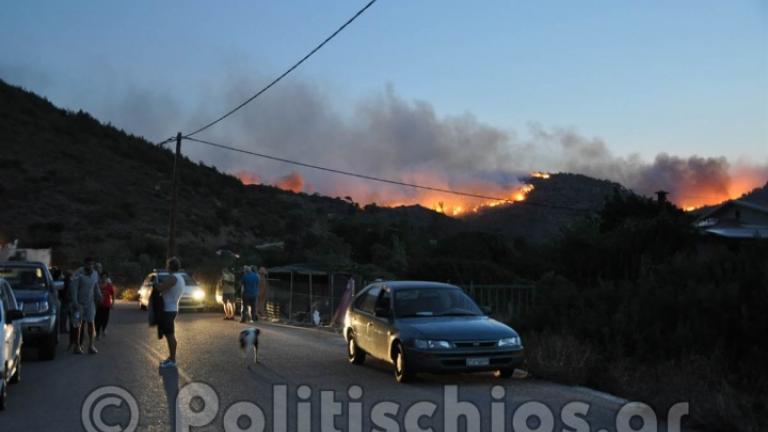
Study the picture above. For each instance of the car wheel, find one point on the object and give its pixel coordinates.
(354, 353)
(403, 373)
(16, 375)
(3, 392)
(48, 347)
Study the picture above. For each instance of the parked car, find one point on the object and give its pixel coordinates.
(428, 327)
(37, 296)
(11, 339)
(193, 298)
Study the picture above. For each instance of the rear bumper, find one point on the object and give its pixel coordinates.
(38, 327)
(455, 361)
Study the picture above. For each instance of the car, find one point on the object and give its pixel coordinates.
(37, 296)
(428, 327)
(11, 339)
(193, 298)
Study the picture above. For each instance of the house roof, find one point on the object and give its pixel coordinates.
(298, 268)
(739, 203)
(746, 232)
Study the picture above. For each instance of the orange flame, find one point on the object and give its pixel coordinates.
(741, 181)
(451, 205)
(247, 177)
(293, 182)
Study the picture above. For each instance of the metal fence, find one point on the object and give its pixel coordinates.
(506, 301)
(294, 296)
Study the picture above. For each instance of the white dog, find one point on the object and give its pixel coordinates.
(249, 341)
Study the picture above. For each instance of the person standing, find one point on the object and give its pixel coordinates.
(171, 289)
(64, 303)
(84, 292)
(227, 284)
(250, 283)
(104, 307)
(262, 299)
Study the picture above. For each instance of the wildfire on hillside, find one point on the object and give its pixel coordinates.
(693, 196)
(688, 195)
(448, 204)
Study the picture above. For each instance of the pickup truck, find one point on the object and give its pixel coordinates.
(37, 296)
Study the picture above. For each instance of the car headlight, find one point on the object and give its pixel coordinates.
(198, 294)
(431, 344)
(35, 307)
(513, 341)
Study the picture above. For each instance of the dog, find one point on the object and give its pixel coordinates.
(249, 341)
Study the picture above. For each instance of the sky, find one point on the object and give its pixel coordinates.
(641, 78)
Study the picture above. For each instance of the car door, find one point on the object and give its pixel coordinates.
(363, 317)
(147, 289)
(380, 327)
(12, 331)
(4, 333)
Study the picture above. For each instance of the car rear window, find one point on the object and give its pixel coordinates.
(187, 278)
(24, 278)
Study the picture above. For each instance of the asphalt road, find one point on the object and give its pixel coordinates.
(52, 394)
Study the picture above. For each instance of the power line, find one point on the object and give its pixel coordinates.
(276, 80)
(165, 141)
(382, 180)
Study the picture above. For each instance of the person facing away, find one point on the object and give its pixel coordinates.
(250, 283)
(84, 293)
(104, 307)
(171, 289)
(227, 282)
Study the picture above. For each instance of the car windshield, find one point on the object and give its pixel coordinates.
(188, 281)
(420, 302)
(24, 278)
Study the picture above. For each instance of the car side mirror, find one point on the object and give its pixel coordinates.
(13, 315)
(382, 311)
(486, 310)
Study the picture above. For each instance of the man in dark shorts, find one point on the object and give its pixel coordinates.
(170, 289)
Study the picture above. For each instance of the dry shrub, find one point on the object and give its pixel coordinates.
(703, 382)
(714, 403)
(560, 358)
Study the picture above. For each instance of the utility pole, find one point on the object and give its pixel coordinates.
(174, 193)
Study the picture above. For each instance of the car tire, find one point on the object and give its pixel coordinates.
(403, 373)
(355, 355)
(16, 375)
(3, 392)
(48, 347)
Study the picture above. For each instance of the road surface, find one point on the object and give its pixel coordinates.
(52, 394)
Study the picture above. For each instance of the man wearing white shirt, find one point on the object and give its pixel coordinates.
(170, 289)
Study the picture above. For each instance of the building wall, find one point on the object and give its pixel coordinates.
(747, 216)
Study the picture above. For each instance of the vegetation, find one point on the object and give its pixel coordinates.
(638, 304)
(628, 299)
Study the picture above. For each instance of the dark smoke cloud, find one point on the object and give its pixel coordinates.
(386, 135)
(691, 179)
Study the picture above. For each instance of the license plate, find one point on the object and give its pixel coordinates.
(478, 361)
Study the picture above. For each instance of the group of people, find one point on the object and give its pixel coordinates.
(86, 301)
(251, 293)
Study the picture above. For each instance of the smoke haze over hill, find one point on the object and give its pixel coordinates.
(388, 136)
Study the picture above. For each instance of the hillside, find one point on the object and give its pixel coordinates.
(558, 201)
(85, 188)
